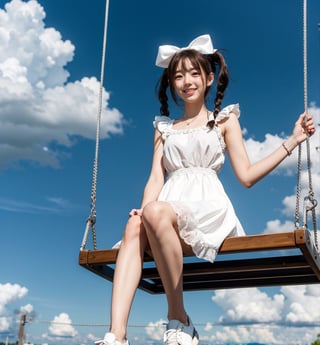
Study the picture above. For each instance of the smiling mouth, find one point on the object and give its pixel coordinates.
(189, 91)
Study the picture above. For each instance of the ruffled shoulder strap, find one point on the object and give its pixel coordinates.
(225, 112)
(162, 123)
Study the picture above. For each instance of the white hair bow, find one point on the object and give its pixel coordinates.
(202, 44)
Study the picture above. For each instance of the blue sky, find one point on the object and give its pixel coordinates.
(49, 65)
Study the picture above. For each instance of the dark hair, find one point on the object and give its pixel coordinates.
(207, 63)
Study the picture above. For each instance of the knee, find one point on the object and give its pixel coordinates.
(153, 213)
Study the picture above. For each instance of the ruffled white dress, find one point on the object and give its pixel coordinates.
(192, 158)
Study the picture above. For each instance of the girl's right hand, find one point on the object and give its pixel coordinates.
(135, 212)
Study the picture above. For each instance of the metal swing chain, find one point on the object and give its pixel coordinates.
(91, 221)
(310, 196)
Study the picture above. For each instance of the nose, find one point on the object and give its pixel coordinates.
(187, 79)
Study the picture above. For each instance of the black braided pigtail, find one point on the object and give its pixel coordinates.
(217, 59)
(162, 94)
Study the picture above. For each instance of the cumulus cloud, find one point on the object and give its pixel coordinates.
(262, 334)
(5, 323)
(248, 305)
(61, 326)
(38, 106)
(255, 316)
(92, 338)
(302, 304)
(241, 335)
(10, 293)
(295, 304)
(26, 309)
(208, 327)
(155, 329)
(274, 226)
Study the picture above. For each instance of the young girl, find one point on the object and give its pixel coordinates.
(184, 204)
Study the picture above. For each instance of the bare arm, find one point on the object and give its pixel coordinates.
(249, 174)
(156, 177)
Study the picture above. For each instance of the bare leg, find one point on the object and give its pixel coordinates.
(127, 275)
(160, 222)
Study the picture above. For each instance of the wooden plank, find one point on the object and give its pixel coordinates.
(240, 244)
(273, 270)
(231, 267)
(238, 284)
(290, 270)
(309, 250)
(102, 256)
(97, 257)
(248, 243)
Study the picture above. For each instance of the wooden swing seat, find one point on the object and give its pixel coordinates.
(276, 270)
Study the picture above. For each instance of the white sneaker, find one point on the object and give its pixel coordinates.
(110, 339)
(178, 333)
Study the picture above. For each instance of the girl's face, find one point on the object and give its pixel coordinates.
(190, 84)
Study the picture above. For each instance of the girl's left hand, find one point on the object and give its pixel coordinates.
(304, 126)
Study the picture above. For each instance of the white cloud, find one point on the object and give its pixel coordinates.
(9, 293)
(26, 309)
(208, 327)
(248, 305)
(256, 317)
(295, 304)
(5, 323)
(37, 104)
(274, 226)
(302, 304)
(265, 334)
(54, 205)
(155, 329)
(60, 202)
(297, 335)
(91, 337)
(61, 326)
(240, 334)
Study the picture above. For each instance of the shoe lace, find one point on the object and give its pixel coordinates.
(173, 337)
